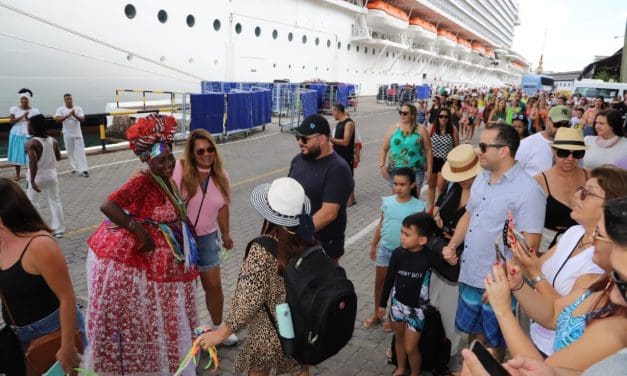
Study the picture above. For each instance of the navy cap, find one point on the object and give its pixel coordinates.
(313, 124)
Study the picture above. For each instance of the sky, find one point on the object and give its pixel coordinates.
(576, 31)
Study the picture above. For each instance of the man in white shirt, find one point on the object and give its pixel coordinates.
(534, 154)
(71, 117)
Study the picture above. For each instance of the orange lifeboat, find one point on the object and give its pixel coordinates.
(386, 17)
(464, 43)
(489, 52)
(421, 29)
(446, 40)
(477, 48)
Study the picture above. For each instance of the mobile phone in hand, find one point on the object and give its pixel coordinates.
(55, 370)
(491, 365)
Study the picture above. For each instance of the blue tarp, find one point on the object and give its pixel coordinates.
(342, 94)
(320, 90)
(239, 111)
(261, 102)
(207, 112)
(423, 92)
(309, 102)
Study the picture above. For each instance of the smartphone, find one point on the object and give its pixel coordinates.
(521, 240)
(55, 370)
(500, 257)
(491, 365)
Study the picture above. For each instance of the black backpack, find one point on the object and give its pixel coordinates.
(322, 302)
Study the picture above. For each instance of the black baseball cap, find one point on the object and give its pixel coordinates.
(313, 124)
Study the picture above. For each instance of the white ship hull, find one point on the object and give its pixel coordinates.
(90, 48)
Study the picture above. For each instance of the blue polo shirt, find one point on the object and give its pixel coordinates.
(488, 206)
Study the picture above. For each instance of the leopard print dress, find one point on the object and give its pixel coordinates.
(259, 283)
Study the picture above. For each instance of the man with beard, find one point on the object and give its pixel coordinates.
(535, 154)
(327, 181)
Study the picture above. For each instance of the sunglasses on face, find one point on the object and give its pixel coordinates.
(403, 113)
(443, 116)
(622, 285)
(483, 147)
(584, 193)
(577, 154)
(560, 124)
(304, 139)
(208, 150)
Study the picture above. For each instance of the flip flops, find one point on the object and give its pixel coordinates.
(371, 322)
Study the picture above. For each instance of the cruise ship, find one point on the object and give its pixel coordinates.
(90, 48)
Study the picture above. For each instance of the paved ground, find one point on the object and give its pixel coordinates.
(258, 158)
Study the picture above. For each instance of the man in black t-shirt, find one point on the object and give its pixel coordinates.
(327, 181)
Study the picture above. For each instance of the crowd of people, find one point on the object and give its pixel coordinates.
(520, 242)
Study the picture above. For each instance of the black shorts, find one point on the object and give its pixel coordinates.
(438, 163)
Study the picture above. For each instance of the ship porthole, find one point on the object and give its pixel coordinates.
(366, 50)
(290, 36)
(238, 27)
(190, 20)
(130, 11)
(162, 16)
(191, 60)
(162, 59)
(216, 24)
(275, 34)
(357, 48)
(348, 47)
(304, 39)
(317, 41)
(257, 31)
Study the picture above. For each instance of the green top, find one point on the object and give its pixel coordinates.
(511, 111)
(406, 150)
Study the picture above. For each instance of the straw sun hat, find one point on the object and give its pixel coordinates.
(462, 163)
(281, 202)
(569, 139)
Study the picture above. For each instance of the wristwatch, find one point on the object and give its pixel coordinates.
(534, 281)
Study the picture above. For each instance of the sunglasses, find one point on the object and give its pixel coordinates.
(404, 113)
(208, 150)
(577, 154)
(560, 124)
(584, 193)
(443, 117)
(483, 147)
(622, 285)
(304, 139)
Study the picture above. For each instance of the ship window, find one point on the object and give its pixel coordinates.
(238, 27)
(374, 51)
(290, 36)
(387, 54)
(216, 24)
(348, 47)
(357, 48)
(275, 34)
(289, 66)
(366, 50)
(274, 65)
(162, 16)
(303, 67)
(130, 11)
(304, 39)
(257, 31)
(191, 20)
(328, 43)
(317, 41)
(339, 45)
(393, 55)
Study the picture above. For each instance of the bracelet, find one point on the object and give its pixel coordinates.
(522, 283)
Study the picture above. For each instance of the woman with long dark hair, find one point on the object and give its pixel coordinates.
(37, 293)
(607, 144)
(287, 232)
(444, 137)
(206, 189)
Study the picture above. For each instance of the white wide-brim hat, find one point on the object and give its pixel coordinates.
(281, 202)
(462, 163)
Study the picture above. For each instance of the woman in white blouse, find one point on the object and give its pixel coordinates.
(608, 145)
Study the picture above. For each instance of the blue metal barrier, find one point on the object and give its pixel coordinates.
(208, 112)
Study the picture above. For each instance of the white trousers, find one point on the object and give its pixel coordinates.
(75, 147)
(51, 189)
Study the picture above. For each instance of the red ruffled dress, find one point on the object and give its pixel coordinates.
(142, 306)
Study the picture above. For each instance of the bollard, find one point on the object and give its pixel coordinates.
(103, 137)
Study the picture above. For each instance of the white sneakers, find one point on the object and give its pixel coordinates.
(229, 341)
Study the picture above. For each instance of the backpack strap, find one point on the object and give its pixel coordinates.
(268, 243)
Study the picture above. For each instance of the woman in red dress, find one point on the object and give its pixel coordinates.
(141, 267)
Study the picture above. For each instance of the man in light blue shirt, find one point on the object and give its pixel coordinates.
(501, 187)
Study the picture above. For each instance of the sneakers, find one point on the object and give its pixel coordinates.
(84, 174)
(58, 234)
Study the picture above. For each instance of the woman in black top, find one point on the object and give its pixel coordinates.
(434, 110)
(37, 292)
(343, 141)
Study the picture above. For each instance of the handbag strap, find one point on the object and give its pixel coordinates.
(4, 300)
(202, 200)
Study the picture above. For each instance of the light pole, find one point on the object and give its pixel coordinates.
(623, 64)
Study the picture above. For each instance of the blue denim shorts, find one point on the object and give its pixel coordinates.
(208, 251)
(383, 256)
(47, 325)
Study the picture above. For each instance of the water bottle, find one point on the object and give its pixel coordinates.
(284, 318)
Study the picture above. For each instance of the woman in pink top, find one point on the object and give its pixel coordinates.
(205, 186)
